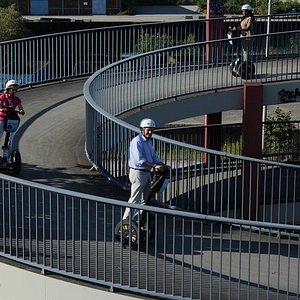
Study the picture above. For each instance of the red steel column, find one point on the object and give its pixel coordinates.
(214, 28)
(252, 146)
(214, 31)
(212, 134)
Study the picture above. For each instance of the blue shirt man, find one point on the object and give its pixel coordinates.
(142, 158)
(142, 151)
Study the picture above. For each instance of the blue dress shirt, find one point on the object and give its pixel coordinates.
(141, 151)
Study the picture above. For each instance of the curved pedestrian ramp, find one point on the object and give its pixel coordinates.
(236, 234)
(190, 256)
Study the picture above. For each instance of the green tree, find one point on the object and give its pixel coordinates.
(148, 42)
(278, 133)
(11, 24)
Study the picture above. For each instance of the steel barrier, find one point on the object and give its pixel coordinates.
(80, 53)
(204, 181)
(282, 147)
(192, 256)
(206, 252)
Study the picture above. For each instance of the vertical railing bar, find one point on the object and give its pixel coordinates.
(230, 262)
(73, 222)
(97, 243)
(221, 262)
(44, 225)
(65, 233)
(182, 256)
(9, 219)
(104, 241)
(16, 219)
(23, 223)
(36, 225)
(240, 264)
(249, 263)
(50, 232)
(88, 241)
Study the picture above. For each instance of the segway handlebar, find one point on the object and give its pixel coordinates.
(9, 111)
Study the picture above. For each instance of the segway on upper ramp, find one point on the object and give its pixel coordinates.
(239, 67)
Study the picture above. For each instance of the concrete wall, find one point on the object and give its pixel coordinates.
(20, 284)
(213, 102)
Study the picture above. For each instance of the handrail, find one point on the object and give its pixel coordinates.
(195, 252)
(114, 100)
(61, 56)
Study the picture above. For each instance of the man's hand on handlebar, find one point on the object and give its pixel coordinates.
(160, 168)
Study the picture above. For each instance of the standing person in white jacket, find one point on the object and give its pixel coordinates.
(245, 30)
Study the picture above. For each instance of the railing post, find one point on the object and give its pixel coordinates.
(212, 134)
(252, 146)
(214, 28)
(214, 31)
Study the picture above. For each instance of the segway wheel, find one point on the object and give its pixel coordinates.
(148, 228)
(234, 73)
(232, 68)
(16, 162)
(246, 70)
(127, 232)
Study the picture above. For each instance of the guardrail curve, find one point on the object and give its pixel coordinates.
(141, 85)
(211, 248)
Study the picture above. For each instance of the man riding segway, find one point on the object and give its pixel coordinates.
(142, 159)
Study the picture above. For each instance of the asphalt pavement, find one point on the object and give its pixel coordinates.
(51, 139)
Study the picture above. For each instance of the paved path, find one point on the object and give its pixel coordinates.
(52, 136)
(51, 140)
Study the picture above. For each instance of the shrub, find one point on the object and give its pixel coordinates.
(11, 24)
(278, 132)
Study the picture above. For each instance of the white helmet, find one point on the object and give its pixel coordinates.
(246, 7)
(147, 123)
(10, 84)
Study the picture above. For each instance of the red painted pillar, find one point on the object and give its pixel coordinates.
(214, 31)
(212, 134)
(252, 146)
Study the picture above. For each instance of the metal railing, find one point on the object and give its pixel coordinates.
(281, 146)
(204, 181)
(204, 255)
(192, 256)
(81, 53)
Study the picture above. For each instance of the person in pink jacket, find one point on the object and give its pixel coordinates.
(9, 101)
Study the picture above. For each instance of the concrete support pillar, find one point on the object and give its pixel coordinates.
(252, 146)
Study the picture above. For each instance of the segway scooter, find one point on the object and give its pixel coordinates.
(238, 67)
(10, 163)
(128, 231)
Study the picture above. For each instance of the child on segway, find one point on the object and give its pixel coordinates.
(242, 66)
(9, 119)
